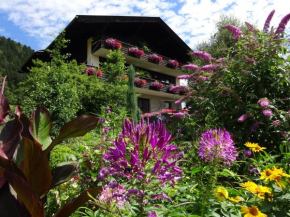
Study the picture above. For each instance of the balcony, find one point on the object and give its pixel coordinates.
(100, 48)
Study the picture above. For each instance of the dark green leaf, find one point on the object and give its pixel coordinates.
(63, 172)
(76, 127)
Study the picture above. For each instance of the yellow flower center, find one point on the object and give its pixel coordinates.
(254, 211)
(269, 172)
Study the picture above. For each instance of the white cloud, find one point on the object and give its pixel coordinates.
(192, 20)
(2, 30)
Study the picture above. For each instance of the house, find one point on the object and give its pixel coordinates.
(88, 36)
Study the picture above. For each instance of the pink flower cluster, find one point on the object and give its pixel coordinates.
(154, 58)
(173, 63)
(113, 43)
(263, 102)
(136, 52)
(113, 193)
(139, 82)
(91, 71)
(156, 85)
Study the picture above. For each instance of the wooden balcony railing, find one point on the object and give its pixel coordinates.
(100, 43)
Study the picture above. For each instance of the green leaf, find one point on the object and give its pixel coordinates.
(41, 126)
(63, 172)
(76, 127)
(24, 192)
(74, 204)
(36, 167)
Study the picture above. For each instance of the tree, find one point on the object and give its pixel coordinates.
(131, 95)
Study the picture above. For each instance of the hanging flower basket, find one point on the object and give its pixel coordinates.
(113, 43)
(139, 82)
(172, 64)
(134, 51)
(89, 71)
(154, 58)
(156, 85)
(99, 73)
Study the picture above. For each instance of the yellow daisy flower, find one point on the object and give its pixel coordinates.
(252, 212)
(237, 199)
(221, 193)
(254, 147)
(274, 175)
(258, 190)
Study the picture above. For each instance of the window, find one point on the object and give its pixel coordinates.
(167, 105)
(144, 105)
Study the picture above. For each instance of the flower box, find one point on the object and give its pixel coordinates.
(154, 58)
(93, 71)
(134, 51)
(139, 82)
(172, 64)
(155, 85)
(113, 43)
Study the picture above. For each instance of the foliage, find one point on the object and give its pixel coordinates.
(131, 95)
(61, 82)
(12, 55)
(114, 68)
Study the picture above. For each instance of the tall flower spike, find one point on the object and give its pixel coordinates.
(268, 21)
(235, 30)
(282, 24)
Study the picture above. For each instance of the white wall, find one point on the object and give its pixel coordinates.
(92, 60)
(157, 102)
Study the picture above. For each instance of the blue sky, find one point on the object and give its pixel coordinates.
(32, 22)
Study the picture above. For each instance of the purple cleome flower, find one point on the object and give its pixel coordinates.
(217, 145)
(202, 54)
(268, 21)
(243, 118)
(235, 30)
(150, 146)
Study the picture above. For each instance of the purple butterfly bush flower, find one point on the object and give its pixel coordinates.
(276, 123)
(267, 112)
(217, 145)
(263, 102)
(221, 59)
(183, 76)
(234, 30)
(243, 118)
(208, 68)
(150, 146)
(202, 54)
(282, 24)
(268, 21)
(190, 67)
(179, 88)
(178, 115)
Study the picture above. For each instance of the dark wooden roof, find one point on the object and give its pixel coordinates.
(152, 31)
